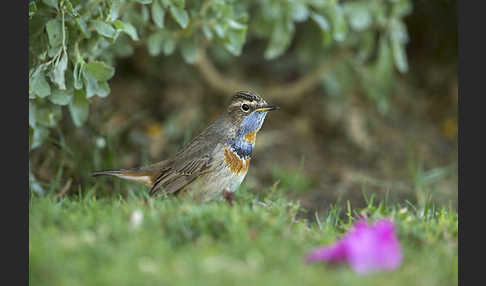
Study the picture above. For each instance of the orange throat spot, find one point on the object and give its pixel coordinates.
(251, 136)
(235, 164)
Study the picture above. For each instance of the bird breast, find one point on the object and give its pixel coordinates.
(236, 164)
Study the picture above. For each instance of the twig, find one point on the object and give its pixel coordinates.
(214, 78)
(288, 91)
(305, 84)
(64, 189)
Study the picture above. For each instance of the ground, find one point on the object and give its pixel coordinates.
(262, 240)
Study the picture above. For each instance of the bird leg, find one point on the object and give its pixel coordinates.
(228, 196)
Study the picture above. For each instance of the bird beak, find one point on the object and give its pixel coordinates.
(267, 108)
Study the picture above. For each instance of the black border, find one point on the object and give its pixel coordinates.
(471, 139)
(15, 194)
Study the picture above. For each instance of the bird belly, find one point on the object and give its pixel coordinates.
(227, 175)
(224, 180)
(212, 185)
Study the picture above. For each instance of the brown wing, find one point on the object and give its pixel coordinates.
(191, 162)
(177, 176)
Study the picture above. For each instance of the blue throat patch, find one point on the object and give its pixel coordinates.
(252, 122)
(242, 148)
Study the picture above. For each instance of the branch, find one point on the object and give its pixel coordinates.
(303, 85)
(213, 77)
(287, 91)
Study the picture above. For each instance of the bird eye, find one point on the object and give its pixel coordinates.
(245, 107)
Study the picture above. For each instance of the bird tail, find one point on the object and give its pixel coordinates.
(136, 175)
(145, 175)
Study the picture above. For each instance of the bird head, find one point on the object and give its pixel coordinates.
(247, 111)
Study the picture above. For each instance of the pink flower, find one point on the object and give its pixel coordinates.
(365, 247)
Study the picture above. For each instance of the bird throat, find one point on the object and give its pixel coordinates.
(242, 148)
(244, 140)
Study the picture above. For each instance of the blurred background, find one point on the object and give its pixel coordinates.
(357, 116)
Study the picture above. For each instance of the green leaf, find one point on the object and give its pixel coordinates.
(367, 46)
(179, 3)
(321, 21)
(143, 1)
(61, 97)
(207, 32)
(401, 8)
(51, 3)
(324, 26)
(399, 37)
(145, 15)
(384, 64)
(158, 14)
(168, 45)
(180, 16)
(127, 28)
(189, 51)
(83, 27)
(242, 18)
(70, 8)
(57, 75)
(39, 136)
(338, 21)
(154, 44)
(92, 86)
(235, 25)
(48, 115)
(100, 71)
(114, 10)
(378, 78)
(299, 10)
(131, 31)
(124, 47)
(78, 75)
(34, 185)
(398, 31)
(79, 108)
(32, 9)
(95, 87)
(380, 14)
(31, 114)
(358, 15)
(220, 30)
(54, 52)
(104, 29)
(104, 89)
(279, 40)
(399, 56)
(223, 10)
(39, 84)
(161, 41)
(235, 41)
(54, 32)
(119, 25)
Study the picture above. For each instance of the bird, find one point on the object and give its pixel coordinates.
(213, 164)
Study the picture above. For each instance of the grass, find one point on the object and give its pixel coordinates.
(85, 240)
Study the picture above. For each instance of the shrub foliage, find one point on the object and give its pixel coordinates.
(73, 44)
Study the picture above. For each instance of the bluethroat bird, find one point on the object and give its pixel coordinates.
(214, 163)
